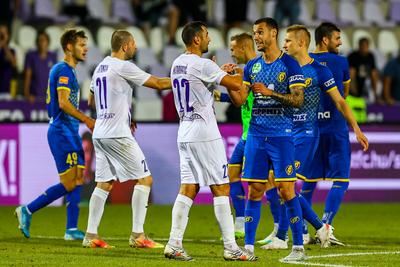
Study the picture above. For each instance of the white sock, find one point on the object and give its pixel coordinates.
(180, 218)
(222, 210)
(140, 199)
(239, 224)
(96, 209)
(249, 248)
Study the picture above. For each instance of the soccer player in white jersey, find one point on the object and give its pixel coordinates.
(118, 156)
(202, 153)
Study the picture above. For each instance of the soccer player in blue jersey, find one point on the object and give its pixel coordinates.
(63, 137)
(332, 157)
(277, 82)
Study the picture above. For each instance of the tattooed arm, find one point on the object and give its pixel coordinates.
(294, 99)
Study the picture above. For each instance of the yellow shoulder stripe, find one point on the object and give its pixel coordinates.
(333, 88)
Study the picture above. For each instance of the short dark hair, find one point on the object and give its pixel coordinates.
(119, 38)
(190, 30)
(271, 23)
(363, 40)
(70, 37)
(244, 39)
(325, 29)
(40, 33)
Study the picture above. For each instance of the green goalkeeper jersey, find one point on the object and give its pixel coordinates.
(246, 114)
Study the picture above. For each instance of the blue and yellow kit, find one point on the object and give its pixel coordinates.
(63, 136)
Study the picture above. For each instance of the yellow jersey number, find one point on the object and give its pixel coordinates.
(72, 159)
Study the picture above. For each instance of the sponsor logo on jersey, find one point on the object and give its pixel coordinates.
(329, 82)
(324, 115)
(281, 77)
(308, 82)
(296, 78)
(289, 169)
(256, 68)
(294, 220)
(63, 79)
(299, 117)
(297, 164)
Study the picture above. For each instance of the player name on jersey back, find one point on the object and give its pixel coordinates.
(193, 79)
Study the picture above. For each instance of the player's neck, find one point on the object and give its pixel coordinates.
(271, 54)
(70, 60)
(303, 58)
(193, 50)
(250, 54)
(118, 55)
(321, 49)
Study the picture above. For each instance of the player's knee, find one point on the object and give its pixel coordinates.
(189, 190)
(146, 181)
(69, 185)
(220, 190)
(107, 186)
(286, 190)
(256, 191)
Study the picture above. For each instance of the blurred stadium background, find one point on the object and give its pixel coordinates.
(26, 165)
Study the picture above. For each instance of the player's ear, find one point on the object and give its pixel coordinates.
(196, 39)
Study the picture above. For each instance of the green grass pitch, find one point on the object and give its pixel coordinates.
(371, 231)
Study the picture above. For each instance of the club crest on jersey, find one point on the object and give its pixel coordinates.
(248, 219)
(256, 68)
(289, 169)
(281, 77)
(308, 82)
(63, 79)
(297, 164)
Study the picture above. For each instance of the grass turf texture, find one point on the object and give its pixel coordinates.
(366, 228)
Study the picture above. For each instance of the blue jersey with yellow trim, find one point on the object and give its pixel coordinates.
(269, 116)
(318, 80)
(329, 117)
(62, 77)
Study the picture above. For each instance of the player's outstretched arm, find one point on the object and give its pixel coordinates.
(158, 83)
(344, 108)
(67, 107)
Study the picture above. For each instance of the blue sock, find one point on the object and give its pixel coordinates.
(238, 198)
(252, 214)
(309, 214)
(51, 194)
(307, 191)
(274, 203)
(283, 222)
(73, 198)
(334, 200)
(293, 210)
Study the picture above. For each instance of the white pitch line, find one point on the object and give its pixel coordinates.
(339, 255)
(127, 238)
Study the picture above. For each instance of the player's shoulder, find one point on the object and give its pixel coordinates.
(289, 61)
(61, 68)
(318, 66)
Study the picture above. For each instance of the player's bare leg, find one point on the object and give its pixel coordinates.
(140, 198)
(96, 209)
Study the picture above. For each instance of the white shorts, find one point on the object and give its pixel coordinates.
(203, 163)
(119, 158)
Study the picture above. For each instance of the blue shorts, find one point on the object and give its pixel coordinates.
(332, 158)
(262, 154)
(238, 153)
(67, 150)
(304, 151)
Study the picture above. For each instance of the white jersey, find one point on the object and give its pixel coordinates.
(112, 83)
(193, 79)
